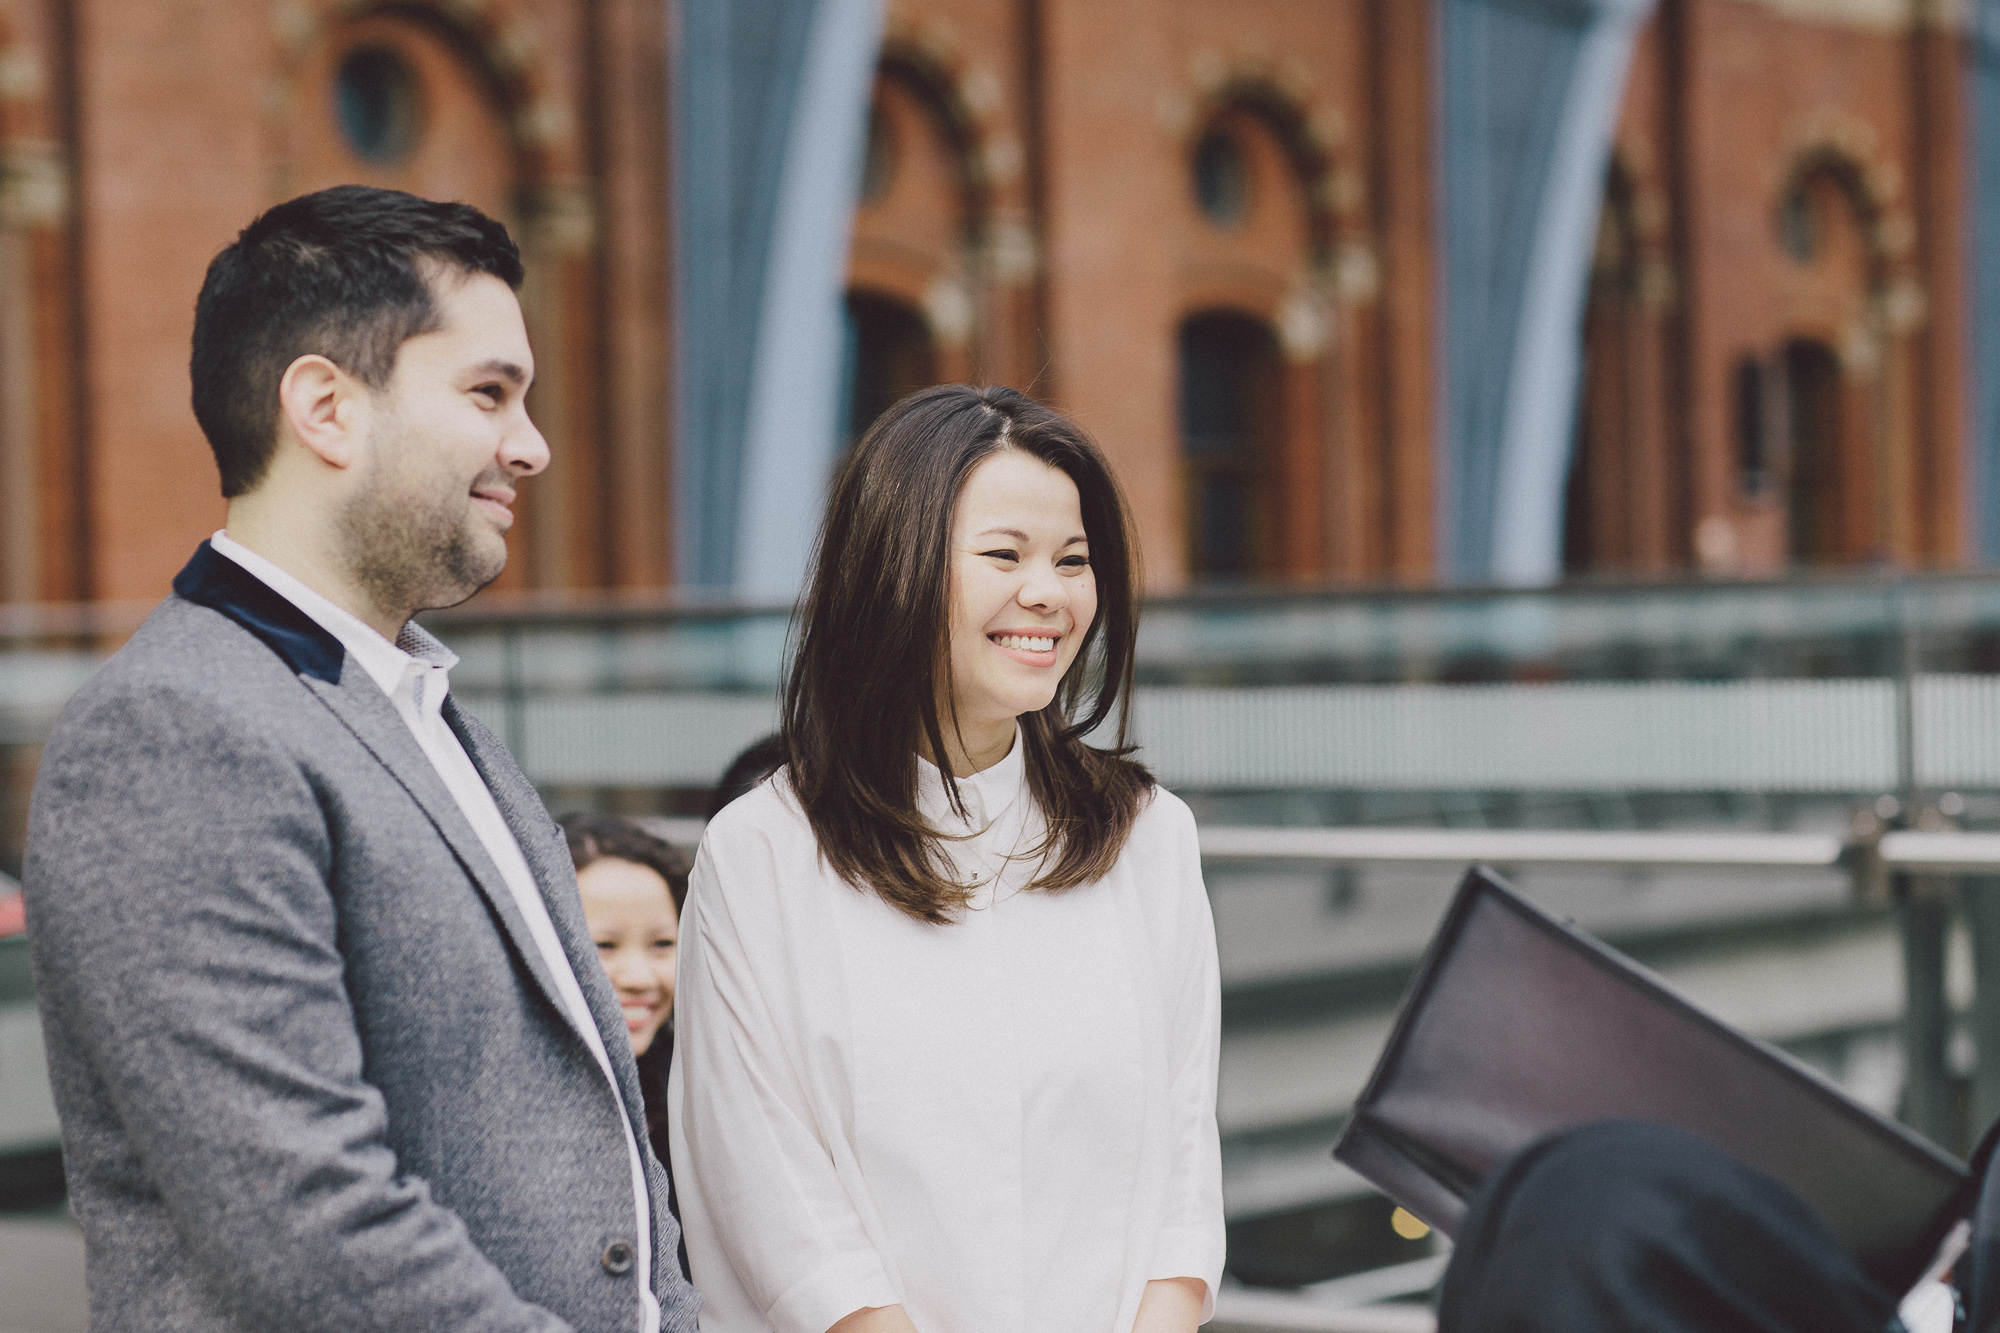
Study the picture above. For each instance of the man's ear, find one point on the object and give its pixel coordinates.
(318, 403)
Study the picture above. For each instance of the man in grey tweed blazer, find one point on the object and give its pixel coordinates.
(328, 1034)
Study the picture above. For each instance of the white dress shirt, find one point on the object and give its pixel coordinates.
(415, 672)
(1005, 1125)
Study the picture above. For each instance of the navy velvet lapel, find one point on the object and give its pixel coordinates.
(213, 580)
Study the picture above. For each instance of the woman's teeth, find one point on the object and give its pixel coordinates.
(1027, 643)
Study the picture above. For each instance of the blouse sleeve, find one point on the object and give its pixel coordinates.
(1191, 1241)
(769, 1188)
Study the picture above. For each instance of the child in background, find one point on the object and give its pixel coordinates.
(633, 885)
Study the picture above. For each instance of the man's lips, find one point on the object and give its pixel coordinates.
(498, 505)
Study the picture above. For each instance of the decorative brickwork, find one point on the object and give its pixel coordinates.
(1067, 188)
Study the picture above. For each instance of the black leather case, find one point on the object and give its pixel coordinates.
(1517, 1025)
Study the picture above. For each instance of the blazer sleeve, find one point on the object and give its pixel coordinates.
(1191, 1238)
(184, 928)
(770, 1190)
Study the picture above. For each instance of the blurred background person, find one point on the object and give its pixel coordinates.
(758, 761)
(633, 886)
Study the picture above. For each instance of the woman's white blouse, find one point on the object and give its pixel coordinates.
(1005, 1125)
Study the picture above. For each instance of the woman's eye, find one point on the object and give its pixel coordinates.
(1074, 562)
(1001, 555)
(493, 393)
(606, 946)
(663, 946)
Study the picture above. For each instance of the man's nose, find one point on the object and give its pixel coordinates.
(524, 451)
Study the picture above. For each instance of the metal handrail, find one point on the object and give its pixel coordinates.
(1227, 842)
(1940, 852)
(1920, 851)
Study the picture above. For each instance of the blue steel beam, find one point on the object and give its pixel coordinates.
(1531, 96)
(1985, 224)
(770, 114)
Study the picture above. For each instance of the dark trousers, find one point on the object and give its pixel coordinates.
(1633, 1228)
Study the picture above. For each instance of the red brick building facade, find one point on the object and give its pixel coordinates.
(1206, 229)
(1776, 338)
(139, 138)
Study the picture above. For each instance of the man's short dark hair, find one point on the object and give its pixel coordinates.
(345, 273)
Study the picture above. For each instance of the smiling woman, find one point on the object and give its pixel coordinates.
(949, 999)
(964, 515)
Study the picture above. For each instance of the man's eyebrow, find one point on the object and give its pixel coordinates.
(505, 370)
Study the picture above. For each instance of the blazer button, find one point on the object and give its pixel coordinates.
(617, 1258)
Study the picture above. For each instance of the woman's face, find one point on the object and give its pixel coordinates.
(632, 919)
(1022, 594)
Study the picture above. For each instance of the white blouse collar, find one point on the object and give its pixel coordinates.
(987, 794)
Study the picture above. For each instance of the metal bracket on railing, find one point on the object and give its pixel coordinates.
(1862, 856)
(1932, 885)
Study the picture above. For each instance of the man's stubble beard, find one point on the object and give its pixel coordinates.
(410, 547)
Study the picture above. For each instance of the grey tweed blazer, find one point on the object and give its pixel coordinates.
(312, 1071)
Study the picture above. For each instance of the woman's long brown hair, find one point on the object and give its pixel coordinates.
(873, 648)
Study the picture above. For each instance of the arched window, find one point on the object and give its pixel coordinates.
(379, 103)
(890, 355)
(395, 101)
(1222, 175)
(1813, 217)
(1623, 504)
(1230, 435)
(1828, 379)
(1818, 483)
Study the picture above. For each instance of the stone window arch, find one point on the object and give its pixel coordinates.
(924, 228)
(394, 100)
(1833, 377)
(1303, 174)
(1275, 223)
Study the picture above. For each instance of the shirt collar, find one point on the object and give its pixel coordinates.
(386, 663)
(986, 794)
